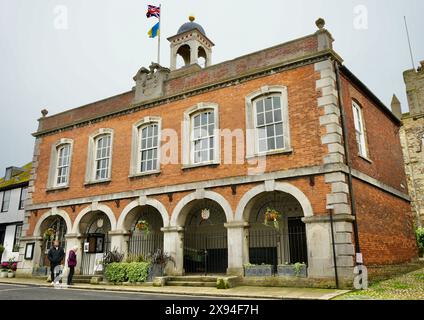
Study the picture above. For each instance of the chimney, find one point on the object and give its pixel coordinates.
(396, 107)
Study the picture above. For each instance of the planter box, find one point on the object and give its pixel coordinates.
(258, 271)
(10, 274)
(289, 271)
(154, 271)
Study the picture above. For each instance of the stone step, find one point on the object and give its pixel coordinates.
(191, 284)
(194, 279)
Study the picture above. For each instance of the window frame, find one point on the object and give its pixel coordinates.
(135, 165)
(188, 133)
(15, 240)
(61, 167)
(252, 133)
(357, 110)
(54, 158)
(3, 209)
(21, 199)
(91, 168)
(140, 149)
(193, 140)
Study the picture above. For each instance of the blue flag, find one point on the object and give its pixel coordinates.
(154, 32)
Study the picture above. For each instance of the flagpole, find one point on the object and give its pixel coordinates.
(160, 27)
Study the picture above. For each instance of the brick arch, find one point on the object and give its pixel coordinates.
(178, 214)
(52, 213)
(138, 203)
(102, 208)
(278, 186)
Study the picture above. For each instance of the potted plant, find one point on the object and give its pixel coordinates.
(4, 270)
(253, 270)
(49, 234)
(273, 217)
(158, 262)
(143, 226)
(292, 270)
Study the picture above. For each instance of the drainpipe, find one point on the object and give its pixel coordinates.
(334, 247)
(358, 259)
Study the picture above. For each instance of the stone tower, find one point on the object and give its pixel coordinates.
(191, 43)
(412, 138)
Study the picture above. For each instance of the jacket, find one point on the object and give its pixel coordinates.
(56, 256)
(72, 259)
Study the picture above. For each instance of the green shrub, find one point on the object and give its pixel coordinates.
(137, 271)
(116, 272)
(119, 272)
(135, 258)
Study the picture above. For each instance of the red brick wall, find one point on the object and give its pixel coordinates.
(304, 129)
(385, 226)
(383, 138)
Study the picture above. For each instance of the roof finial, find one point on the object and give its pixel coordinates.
(191, 18)
(320, 23)
(44, 113)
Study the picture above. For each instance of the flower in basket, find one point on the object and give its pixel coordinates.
(49, 234)
(5, 266)
(272, 216)
(143, 225)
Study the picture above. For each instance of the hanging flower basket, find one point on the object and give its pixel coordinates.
(143, 226)
(273, 217)
(49, 234)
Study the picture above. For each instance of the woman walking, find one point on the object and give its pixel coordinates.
(72, 262)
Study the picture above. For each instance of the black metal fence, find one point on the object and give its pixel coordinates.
(144, 244)
(206, 253)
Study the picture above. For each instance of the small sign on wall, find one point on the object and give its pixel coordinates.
(86, 246)
(29, 251)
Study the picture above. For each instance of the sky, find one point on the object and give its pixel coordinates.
(61, 54)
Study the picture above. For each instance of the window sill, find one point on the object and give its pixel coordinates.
(144, 174)
(200, 165)
(270, 153)
(365, 158)
(51, 189)
(90, 183)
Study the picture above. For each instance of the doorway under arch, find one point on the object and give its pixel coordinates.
(283, 242)
(57, 225)
(205, 238)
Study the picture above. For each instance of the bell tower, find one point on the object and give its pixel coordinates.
(191, 43)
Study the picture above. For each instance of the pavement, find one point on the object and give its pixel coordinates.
(241, 292)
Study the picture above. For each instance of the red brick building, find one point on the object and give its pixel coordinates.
(201, 154)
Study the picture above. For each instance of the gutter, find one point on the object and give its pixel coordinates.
(348, 159)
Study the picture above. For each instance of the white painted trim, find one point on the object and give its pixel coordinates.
(51, 213)
(137, 203)
(187, 152)
(52, 177)
(252, 148)
(95, 207)
(176, 218)
(91, 151)
(279, 186)
(135, 145)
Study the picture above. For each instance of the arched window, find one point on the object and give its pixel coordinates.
(201, 135)
(63, 163)
(267, 121)
(145, 154)
(149, 148)
(99, 158)
(60, 164)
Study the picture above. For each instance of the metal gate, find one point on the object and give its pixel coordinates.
(205, 253)
(88, 260)
(145, 244)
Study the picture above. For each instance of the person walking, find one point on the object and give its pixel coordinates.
(55, 256)
(72, 262)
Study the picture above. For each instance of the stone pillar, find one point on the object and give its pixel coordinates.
(26, 267)
(320, 247)
(238, 247)
(119, 241)
(174, 245)
(72, 241)
(194, 52)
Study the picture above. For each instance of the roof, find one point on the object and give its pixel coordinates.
(370, 94)
(188, 26)
(17, 180)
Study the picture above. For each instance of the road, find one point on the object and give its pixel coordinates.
(27, 292)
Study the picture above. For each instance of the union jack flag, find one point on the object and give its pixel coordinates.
(153, 11)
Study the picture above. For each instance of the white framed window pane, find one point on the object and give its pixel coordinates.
(63, 164)
(203, 130)
(149, 148)
(103, 154)
(359, 128)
